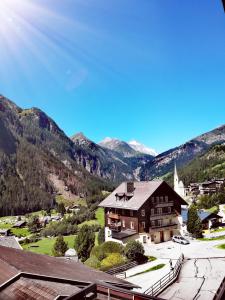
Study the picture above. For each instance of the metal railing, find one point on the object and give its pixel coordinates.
(166, 280)
(121, 269)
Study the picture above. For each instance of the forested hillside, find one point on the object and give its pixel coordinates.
(207, 166)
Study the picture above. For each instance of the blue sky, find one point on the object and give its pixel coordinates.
(150, 70)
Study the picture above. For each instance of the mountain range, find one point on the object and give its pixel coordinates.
(36, 157)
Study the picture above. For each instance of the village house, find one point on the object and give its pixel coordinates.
(209, 220)
(146, 211)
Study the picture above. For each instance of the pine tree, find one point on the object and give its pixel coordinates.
(84, 242)
(101, 236)
(194, 225)
(61, 208)
(60, 247)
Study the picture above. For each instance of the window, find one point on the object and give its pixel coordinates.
(153, 223)
(132, 225)
(157, 199)
(169, 209)
(109, 221)
(143, 212)
(123, 223)
(161, 199)
(159, 210)
(159, 223)
(152, 211)
(166, 199)
(131, 213)
(143, 224)
(153, 199)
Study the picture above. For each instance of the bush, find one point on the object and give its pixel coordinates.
(112, 260)
(98, 252)
(112, 247)
(134, 250)
(93, 262)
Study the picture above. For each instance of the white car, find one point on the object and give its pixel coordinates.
(180, 239)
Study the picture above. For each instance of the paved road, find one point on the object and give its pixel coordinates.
(199, 279)
(202, 272)
(201, 275)
(196, 249)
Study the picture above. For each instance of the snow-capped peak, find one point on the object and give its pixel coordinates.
(142, 148)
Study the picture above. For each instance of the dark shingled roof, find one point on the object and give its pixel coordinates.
(26, 275)
(28, 262)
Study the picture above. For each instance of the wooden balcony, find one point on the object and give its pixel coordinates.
(164, 204)
(161, 216)
(113, 216)
(115, 226)
(162, 228)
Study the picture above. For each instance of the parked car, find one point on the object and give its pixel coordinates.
(180, 239)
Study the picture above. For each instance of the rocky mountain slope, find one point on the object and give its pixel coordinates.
(113, 160)
(32, 147)
(182, 155)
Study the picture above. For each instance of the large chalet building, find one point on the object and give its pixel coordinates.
(148, 211)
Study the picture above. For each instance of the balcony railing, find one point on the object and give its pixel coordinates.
(164, 204)
(162, 227)
(113, 216)
(159, 216)
(115, 226)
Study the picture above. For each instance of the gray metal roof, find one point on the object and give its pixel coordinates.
(9, 241)
(143, 190)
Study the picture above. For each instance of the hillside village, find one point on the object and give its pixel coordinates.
(127, 229)
(128, 203)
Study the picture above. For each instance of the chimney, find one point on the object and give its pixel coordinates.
(130, 187)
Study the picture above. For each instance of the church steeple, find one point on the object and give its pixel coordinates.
(176, 179)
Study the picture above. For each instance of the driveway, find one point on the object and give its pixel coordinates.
(196, 249)
(201, 274)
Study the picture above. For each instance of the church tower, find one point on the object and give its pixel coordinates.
(176, 179)
(178, 185)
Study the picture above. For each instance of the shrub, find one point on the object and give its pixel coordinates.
(98, 252)
(112, 260)
(134, 250)
(112, 247)
(93, 262)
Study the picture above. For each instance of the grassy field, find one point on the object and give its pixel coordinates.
(100, 216)
(45, 245)
(157, 267)
(213, 239)
(222, 246)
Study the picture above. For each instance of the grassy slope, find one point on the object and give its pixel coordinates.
(45, 245)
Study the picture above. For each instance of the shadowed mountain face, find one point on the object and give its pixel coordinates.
(183, 154)
(113, 163)
(33, 150)
(32, 147)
